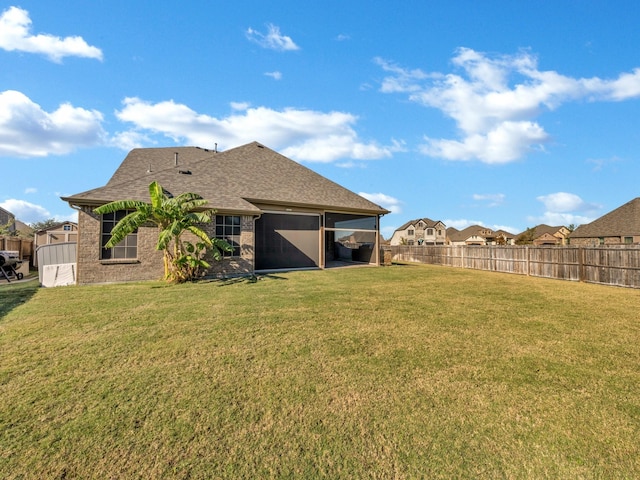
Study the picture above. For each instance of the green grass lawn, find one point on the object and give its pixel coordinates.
(394, 372)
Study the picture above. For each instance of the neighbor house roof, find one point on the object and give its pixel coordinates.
(461, 235)
(623, 221)
(233, 181)
(428, 223)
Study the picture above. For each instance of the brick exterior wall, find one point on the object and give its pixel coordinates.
(235, 266)
(591, 242)
(149, 264)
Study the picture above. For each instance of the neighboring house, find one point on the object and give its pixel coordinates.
(422, 231)
(276, 213)
(546, 235)
(478, 235)
(7, 219)
(620, 226)
(62, 232)
(23, 229)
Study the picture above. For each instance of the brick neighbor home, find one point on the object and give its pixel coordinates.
(276, 213)
(618, 227)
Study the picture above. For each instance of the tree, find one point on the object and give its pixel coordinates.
(527, 237)
(174, 216)
(7, 230)
(50, 222)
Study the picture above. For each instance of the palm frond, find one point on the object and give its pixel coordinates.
(119, 205)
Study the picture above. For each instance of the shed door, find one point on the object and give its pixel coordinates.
(287, 241)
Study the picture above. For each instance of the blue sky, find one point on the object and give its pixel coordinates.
(500, 113)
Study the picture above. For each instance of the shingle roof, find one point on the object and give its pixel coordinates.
(623, 221)
(428, 222)
(232, 181)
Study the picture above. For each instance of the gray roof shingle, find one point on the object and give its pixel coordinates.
(623, 221)
(232, 181)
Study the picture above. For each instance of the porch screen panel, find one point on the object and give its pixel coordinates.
(287, 241)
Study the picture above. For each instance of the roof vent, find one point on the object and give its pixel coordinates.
(176, 158)
(184, 172)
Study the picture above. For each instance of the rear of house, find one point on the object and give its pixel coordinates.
(276, 213)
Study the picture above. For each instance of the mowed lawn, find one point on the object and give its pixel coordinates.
(391, 372)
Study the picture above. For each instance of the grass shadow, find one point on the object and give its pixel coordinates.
(13, 295)
(248, 279)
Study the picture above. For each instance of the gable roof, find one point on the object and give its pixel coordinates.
(456, 235)
(56, 226)
(233, 181)
(543, 229)
(461, 235)
(623, 221)
(428, 223)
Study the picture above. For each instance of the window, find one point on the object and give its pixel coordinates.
(410, 232)
(228, 228)
(628, 240)
(430, 231)
(66, 228)
(410, 242)
(601, 240)
(127, 248)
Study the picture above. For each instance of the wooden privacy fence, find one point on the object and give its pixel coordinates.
(606, 264)
(18, 244)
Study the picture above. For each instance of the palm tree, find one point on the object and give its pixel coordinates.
(173, 216)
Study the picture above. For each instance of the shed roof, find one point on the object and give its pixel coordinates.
(232, 181)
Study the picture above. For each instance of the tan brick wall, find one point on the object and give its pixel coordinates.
(607, 241)
(243, 265)
(149, 264)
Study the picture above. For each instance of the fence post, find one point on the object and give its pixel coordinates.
(528, 255)
(581, 270)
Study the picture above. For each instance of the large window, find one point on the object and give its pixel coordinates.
(127, 248)
(351, 238)
(228, 228)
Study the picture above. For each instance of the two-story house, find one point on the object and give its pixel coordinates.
(422, 231)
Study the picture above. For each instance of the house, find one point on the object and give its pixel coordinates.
(620, 226)
(422, 231)
(478, 235)
(276, 213)
(62, 232)
(544, 235)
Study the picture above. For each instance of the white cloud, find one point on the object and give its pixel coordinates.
(565, 202)
(275, 75)
(272, 40)
(564, 208)
(492, 199)
(461, 223)
(30, 190)
(300, 134)
(240, 105)
(385, 201)
(507, 142)
(494, 101)
(25, 211)
(26, 130)
(15, 26)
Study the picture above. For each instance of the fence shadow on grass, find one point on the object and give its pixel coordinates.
(14, 295)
